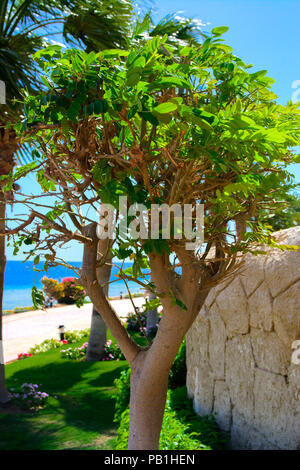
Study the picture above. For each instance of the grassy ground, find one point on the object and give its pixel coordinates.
(79, 413)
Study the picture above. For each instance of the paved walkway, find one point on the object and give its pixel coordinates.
(21, 331)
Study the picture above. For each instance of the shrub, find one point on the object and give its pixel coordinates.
(50, 344)
(122, 394)
(45, 346)
(76, 336)
(76, 354)
(177, 377)
(132, 323)
(112, 352)
(68, 291)
(24, 355)
(29, 397)
(182, 429)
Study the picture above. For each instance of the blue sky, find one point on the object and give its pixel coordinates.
(264, 33)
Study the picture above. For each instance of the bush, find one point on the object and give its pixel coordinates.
(122, 394)
(68, 291)
(181, 429)
(177, 377)
(76, 354)
(50, 344)
(76, 336)
(29, 397)
(132, 323)
(46, 345)
(112, 352)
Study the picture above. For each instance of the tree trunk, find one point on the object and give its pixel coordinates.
(152, 316)
(4, 397)
(98, 333)
(97, 338)
(149, 380)
(147, 404)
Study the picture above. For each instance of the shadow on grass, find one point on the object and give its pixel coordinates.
(80, 415)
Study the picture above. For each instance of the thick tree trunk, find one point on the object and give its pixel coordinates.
(98, 333)
(147, 404)
(149, 380)
(4, 397)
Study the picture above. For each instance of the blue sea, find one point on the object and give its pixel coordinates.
(20, 277)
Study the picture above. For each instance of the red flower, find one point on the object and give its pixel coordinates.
(64, 341)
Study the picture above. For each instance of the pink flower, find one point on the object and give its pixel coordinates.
(68, 279)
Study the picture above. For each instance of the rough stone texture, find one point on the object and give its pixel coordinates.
(260, 308)
(217, 341)
(222, 405)
(239, 352)
(269, 352)
(233, 308)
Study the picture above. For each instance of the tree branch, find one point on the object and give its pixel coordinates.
(89, 281)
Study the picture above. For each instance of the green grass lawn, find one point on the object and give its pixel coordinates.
(81, 415)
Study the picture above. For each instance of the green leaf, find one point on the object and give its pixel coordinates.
(110, 53)
(165, 108)
(37, 297)
(219, 30)
(133, 77)
(147, 116)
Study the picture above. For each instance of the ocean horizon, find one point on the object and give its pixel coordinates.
(20, 277)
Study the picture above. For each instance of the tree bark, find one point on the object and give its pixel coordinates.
(4, 396)
(152, 315)
(98, 334)
(149, 380)
(97, 338)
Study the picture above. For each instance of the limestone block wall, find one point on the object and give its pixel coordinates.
(239, 352)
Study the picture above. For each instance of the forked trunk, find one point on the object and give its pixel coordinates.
(4, 397)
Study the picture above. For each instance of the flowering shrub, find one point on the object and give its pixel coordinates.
(29, 397)
(76, 336)
(112, 352)
(70, 337)
(24, 355)
(132, 323)
(68, 291)
(45, 346)
(75, 353)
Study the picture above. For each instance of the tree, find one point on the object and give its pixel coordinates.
(286, 212)
(82, 21)
(157, 124)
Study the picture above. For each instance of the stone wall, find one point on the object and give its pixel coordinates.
(239, 352)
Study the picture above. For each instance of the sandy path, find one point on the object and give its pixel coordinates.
(23, 330)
